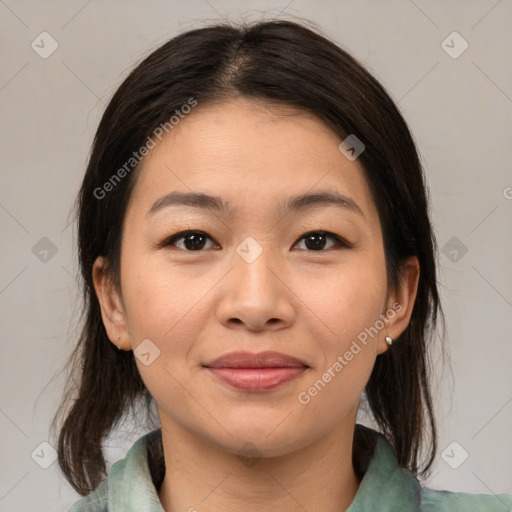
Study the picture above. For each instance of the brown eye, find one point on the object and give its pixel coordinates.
(316, 240)
(192, 240)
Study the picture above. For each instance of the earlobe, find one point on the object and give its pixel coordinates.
(400, 304)
(112, 310)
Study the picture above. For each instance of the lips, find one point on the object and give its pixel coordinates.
(256, 372)
(267, 359)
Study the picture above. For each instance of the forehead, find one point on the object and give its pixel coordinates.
(251, 155)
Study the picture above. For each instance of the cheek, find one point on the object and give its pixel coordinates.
(351, 304)
(350, 299)
(165, 308)
(161, 305)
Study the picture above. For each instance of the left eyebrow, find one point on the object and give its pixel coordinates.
(300, 202)
(322, 198)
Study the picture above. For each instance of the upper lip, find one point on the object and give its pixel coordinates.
(268, 359)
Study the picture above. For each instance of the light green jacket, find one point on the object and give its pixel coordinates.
(384, 488)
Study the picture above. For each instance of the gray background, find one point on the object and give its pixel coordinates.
(458, 109)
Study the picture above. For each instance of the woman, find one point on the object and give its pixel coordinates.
(257, 253)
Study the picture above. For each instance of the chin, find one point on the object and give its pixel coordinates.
(271, 438)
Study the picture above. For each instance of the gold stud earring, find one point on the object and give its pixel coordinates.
(389, 340)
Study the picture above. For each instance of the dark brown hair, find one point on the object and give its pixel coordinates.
(285, 62)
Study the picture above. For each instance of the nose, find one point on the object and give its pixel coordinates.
(254, 295)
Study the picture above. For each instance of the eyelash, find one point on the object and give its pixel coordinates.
(340, 242)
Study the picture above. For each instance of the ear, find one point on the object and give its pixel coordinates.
(400, 303)
(112, 308)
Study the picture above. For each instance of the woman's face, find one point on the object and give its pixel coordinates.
(261, 277)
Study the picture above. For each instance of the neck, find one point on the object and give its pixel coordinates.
(202, 476)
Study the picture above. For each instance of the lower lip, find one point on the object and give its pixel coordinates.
(257, 379)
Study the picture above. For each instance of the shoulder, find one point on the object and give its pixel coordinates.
(129, 483)
(96, 501)
(441, 501)
(387, 487)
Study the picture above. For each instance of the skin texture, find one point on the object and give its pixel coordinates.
(305, 302)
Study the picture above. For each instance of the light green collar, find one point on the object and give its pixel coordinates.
(384, 487)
